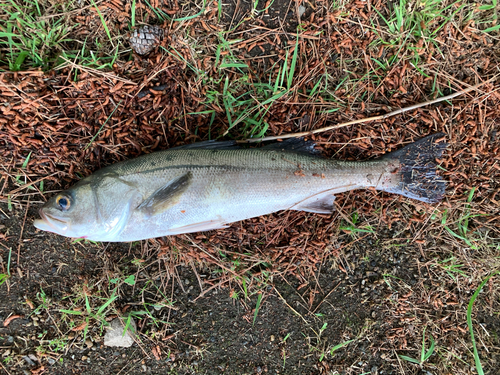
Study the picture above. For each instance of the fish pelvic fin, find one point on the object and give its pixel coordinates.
(418, 177)
(321, 203)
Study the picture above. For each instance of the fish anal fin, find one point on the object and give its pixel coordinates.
(320, 203)
(199, 227)
(166, 196)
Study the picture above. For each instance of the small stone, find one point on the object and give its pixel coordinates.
(272, 338)
(302, 10)
(51, 361)
(28, 360)
(89, 343)
(84, 358)
(115, 335)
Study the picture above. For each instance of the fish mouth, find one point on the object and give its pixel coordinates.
(50, 223)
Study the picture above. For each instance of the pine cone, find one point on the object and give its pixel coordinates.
(146, 38)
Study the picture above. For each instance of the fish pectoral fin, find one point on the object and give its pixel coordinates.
(321, 203)
(166, 196)
(199, 227)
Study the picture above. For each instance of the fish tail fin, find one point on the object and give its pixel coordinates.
(418, 178)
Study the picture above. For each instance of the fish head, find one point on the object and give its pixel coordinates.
(70, 213)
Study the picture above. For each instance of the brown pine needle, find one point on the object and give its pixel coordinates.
(369, 119)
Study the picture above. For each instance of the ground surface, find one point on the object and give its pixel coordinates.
(356, 292)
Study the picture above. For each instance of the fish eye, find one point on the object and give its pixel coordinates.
(63, 202)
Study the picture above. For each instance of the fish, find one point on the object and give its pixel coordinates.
(209, 185)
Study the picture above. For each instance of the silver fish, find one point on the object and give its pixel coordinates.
(208, 185)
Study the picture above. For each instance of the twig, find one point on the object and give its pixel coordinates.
(22, 187)
(197, 276)
(4, 368)
(369, 119)
(22, 230)
(324, 299)
(220, 283)
(96, 72)
(214, 258)
(290, 307)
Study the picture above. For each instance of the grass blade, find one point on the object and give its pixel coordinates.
(291, 72)
(103, 21)
(477, 360)
(409, 359)
(132, 9)
(106, 304)
(105, 122)
(341, 345)
(71, 312)
(257, 307)
(193, 16)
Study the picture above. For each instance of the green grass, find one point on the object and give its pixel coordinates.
(45, 302)
(36, 35)
(318, 338)
(257, 307)
(5, 276)
(57, 345)
(462, 231)
(92, 313)
(339, 346)
(406, 25)
(30, 39)
(487, 14)
(452, 268)
(103, 21)
(425, 353)
(246, 104)
(102, 126)
(353, 229)
(477, 360)
(420, 20)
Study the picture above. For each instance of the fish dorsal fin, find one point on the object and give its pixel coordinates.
(209, 145)
(320, 203)
(166, 196)
(296, 145)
